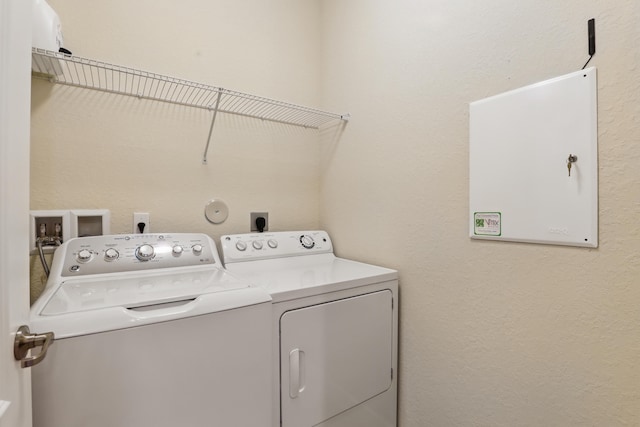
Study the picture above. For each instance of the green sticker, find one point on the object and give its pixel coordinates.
(487, 223)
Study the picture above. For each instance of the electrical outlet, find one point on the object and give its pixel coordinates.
(141, 223)
(254, 216)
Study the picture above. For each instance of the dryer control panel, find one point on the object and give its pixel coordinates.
(135, 252)
(256, 246)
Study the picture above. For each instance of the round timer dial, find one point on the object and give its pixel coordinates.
(145, 252)
(307, 241)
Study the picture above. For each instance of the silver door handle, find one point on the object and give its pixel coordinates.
(25, 341)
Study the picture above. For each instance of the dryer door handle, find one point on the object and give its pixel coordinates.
(296, 372)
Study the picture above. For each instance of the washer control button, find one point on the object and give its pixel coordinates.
(307, 241)
(273, 243)
(197, 249)
(145, 252)
(177, 250)
(241, 246)
(84, 255)
(111, 254)
(257, 244)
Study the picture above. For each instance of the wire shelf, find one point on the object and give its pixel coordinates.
(88, 73)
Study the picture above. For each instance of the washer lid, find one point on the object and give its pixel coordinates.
(134, 291)
(82, 306)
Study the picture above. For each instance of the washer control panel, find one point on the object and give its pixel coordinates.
(256, 246)
(124, 252)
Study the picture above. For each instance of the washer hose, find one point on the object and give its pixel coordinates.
(43, 260)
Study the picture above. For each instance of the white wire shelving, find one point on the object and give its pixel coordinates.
(88, 73)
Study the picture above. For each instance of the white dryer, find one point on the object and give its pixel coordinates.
(150, 331)
(335, 329)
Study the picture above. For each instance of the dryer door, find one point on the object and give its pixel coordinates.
(334, 356)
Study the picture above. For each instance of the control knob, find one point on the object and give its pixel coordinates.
(111, 254)
(307, 241)
(177, 250)
(145, 252)
(197, 249)
(84, 256)
(257, 244)
(241, 246)
(273, 243)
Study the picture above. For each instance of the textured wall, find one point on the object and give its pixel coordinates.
(492, 334)
(95, 150)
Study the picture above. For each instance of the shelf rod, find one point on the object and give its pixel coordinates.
(213, 121)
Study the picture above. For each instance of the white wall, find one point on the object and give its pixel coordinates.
(95, 150)
(492, 334)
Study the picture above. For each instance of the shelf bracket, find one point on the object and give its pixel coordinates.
(213, 121)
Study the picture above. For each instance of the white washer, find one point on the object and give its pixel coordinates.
(335, 328)
(150, 331)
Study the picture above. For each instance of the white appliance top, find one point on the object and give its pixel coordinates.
(103, 283)
(296, 264)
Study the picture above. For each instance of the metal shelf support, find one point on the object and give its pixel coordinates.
(213, 121)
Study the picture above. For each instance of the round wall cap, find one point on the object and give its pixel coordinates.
(216, 211)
